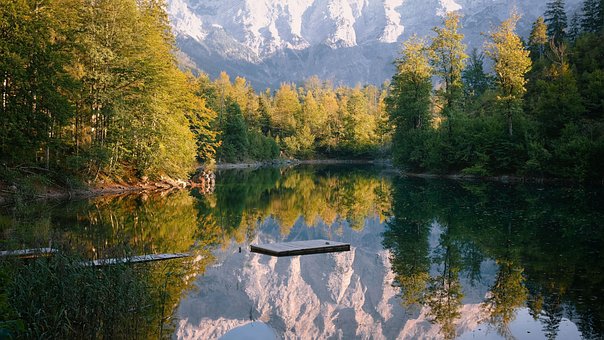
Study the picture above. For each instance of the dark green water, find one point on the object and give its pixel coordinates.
(429, 258)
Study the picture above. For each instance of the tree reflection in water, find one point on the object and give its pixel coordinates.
(544, 242)
(126, 301)
(329, 195)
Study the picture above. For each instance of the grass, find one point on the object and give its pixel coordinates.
(59, 298)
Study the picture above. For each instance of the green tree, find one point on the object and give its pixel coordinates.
(448, 55)
(265, 113)
(408, 104)
(555, 18)
(559, 101)
(409, 100)
(35, 44)
(593, 16)
(234, 136)
(511, 63)
(475, 80)
(574, 28)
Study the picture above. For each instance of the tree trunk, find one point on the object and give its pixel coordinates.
(47, 157)
(510, 130)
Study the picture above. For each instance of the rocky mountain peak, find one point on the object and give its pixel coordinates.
(350, 41)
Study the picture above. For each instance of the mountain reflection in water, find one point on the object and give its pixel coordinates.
(429, 258)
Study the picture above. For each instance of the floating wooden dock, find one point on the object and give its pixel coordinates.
(300, 248)
(135, 259)
(29, 253)
(37, 252)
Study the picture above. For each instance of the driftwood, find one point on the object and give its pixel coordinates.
(204, 180)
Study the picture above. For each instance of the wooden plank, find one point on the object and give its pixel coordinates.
(300, 247)
(28, 253)
(135, 259)
(36, 252)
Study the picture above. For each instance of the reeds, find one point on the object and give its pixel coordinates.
(59, 298)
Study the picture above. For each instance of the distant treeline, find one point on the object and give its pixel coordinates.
(539, 114)
(313, 120)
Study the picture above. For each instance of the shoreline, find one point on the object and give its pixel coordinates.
(294, 162)
(162, 186)
(505, 179)
(165, 185)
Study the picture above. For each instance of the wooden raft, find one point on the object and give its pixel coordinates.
(29, 253)
(135, 259)
(300, 248)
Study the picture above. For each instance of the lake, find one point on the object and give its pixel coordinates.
(429, 258)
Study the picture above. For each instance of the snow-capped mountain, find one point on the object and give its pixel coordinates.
(350, 41)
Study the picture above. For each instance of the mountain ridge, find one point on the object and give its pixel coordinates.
(346, 41)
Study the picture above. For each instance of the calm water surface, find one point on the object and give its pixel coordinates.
(429, 258)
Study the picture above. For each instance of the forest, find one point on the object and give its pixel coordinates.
(92, 91)
(538, 114)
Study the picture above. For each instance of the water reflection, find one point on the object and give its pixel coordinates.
(328, 195)
(429, 258)
(543, 243)
(134, 301)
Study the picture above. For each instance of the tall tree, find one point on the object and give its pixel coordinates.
(200, 118)
(555, 18)
(557, 98)
(512, 62)
(235, 141)
(362, 129)
(448, 55)
(538, 38)
(408, 104)
(593, 16)
(35, 44)
(286, 108)
(574, 29)
(409, 101)
(475, 80)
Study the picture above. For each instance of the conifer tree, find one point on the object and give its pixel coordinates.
(559, 102)
(235, 141)
(538, 38)
(593, 16)
(574, 29)
(555, 18)
(475, 80)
